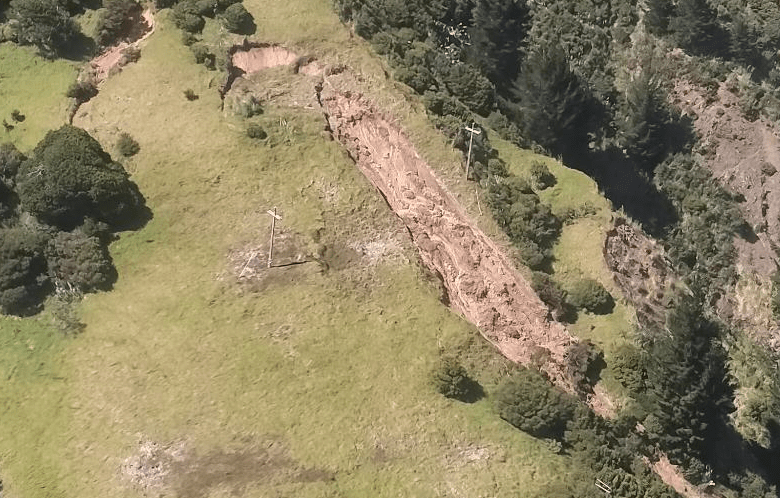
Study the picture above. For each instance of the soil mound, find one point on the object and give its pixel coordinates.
(481, 281)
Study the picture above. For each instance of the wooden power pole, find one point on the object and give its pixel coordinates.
(274, 217)
(473, 130)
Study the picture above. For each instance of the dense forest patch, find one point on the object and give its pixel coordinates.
(60, 208)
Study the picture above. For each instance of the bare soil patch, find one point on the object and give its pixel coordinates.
(481, 281)
(641, 270)
(257, 58)
(117, 56)
(157, 469)
(744, 156)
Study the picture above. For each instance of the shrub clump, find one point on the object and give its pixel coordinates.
(530, 403)
(237, 19)
(82, 90)
(451, 380)
(541, 177)
(589, 295)
(127, 145)
(203, 55)
(190, 94)
(256, 131)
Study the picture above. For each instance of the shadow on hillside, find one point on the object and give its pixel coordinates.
(81, 49)
(627, 188)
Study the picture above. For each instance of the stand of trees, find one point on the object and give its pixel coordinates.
(61, 207)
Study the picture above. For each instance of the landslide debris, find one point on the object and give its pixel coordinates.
(641, 270)
(743, 154)
(481, 281)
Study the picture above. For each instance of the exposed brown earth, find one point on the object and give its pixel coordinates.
(640, 269)
(256, 59)
(744, 155)
(115, 57)
(481, 281)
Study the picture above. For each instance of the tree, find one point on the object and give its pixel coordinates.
(497, 33)
(237, 19)
(80, 262)
(588, 294)
(24, 282)
(186, 16)
(552, 104)
(69, 177)
(43, 23)
(117, 20)
(643, 127)
(685, 378)
(695, 27)
(530, 403)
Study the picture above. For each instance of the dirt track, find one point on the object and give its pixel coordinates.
(481, 281)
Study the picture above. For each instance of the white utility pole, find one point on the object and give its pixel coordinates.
(473, 130)
(274, 217)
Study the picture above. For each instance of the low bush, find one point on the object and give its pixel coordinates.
(190, 94)
(589, 295)
(541, 177)
(127, 145)
(583, 364)
(203, 56)
(82, 90)
(256, 131)
(451, 380)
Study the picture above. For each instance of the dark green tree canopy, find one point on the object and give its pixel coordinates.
(497, 33)
(552, 104)
(527, 401)
(69, 177)
(24, 281)
(237, 19)
(43, 23)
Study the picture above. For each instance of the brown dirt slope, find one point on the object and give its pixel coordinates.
(481, 281)
(744, 156)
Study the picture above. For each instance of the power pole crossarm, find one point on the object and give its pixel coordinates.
(274, 217)
(473, 130)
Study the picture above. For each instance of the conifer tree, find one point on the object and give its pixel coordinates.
(552, 104)
(696, 28)
(499, 27)
(643, 126)
(685, 375)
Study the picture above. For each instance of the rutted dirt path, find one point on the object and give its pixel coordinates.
(481, 281)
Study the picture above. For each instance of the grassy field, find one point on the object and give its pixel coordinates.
(36, 88)
(315, 380)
